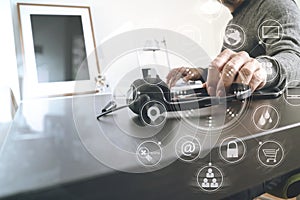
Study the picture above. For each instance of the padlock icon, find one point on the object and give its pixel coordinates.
(232, 150)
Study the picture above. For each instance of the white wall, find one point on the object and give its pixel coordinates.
(8, 64)
(115, 16)
(111, 17)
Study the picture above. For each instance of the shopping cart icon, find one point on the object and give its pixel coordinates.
(271, 154)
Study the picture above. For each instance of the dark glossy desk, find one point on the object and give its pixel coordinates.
(43, 156)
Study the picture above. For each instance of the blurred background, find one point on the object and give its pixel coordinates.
(203, 21)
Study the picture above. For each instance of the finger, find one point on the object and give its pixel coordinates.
(246, 72)
(168, 77)
(171, 74)
(232, 67)
(212, 80)
(258, 80)
(178, 73)
(222, 59)
(188, 77)
(192, 74)
(220, 89)
(173, 81)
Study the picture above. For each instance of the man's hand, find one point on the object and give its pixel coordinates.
(186, 74)
(229, 67)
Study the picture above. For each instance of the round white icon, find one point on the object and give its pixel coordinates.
(188, 148)
(154, 113)
(270, 153)
(265, 117)
(149, 153)
(210, 178)
(232, 150)
(292, 94)
(270, 65)
(270, 32)
(235, 37)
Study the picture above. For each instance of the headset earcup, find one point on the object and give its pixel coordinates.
(136, 106)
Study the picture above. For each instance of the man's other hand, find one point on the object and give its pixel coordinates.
(185, 73)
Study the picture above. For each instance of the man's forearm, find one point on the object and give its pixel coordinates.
(289, 63)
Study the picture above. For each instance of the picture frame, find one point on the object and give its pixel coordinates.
(59, 50)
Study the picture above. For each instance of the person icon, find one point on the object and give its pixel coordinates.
(210, 173)
(205, 183)
(214, 183)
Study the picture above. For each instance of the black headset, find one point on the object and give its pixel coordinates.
(148, 89)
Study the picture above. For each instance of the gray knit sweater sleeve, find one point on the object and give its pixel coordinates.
(281, 52)
(286, 51)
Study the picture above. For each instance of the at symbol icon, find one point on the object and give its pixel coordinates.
(188, 148)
